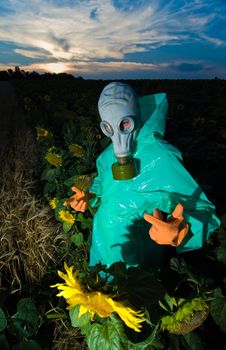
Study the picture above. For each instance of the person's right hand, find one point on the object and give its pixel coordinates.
(79, 201)
(172, 231)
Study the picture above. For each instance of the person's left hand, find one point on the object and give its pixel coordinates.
(79, 201)
(171, 232)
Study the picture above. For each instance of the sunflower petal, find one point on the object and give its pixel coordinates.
(82, 310)
(131, 317)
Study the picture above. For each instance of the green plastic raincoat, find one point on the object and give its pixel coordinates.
(120, 232)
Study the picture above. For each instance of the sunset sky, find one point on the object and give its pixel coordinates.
(103, 39)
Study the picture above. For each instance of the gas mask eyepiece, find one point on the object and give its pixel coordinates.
(106, 128)
(124, 126)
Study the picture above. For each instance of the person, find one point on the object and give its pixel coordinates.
(140, 174)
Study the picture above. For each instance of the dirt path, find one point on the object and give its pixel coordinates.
(11, 118)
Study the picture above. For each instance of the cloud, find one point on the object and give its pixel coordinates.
(96, 30)
(215, 41)
(127, 70)
(32, 54)
(90, 69)
(87, 68)
(188, 67)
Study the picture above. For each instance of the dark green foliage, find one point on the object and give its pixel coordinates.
(22, 327)
(26, 319)
(218, 309)
(197, 126)
(3, 321)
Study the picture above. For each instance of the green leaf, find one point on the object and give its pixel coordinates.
(116, 332)
(95, 339)
(80, 217)
(181, 267)
(48, 175)
(218, 309)
(221, 234)
(86, 223)
(3, 321)
(49, 187)
(77, 239)
(66, 227)
(26, 319)
(174, 343)
(27, 345)
(150, 343)
(82, 322)
(221, 252)
(69, 182)
(106, 336)
(164, 307)
(192, 341)
(224, 282)
(4, 345)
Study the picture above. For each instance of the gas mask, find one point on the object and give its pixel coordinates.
(120, 120)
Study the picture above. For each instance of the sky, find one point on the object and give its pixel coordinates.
(115, 39)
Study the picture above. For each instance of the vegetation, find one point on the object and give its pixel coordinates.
(180, 306)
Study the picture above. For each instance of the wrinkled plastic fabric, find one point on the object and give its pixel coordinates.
(120, 232)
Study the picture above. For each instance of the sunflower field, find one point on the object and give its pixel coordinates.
(49, 297)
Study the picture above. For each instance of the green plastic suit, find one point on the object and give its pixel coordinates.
(120, 232)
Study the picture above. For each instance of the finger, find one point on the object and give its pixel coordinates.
(173, 244)
(74, 204)
(154, 221)
(153, 233)
(161, 241)
(83, 208)
(69, 200)
(158, 214)
(79, 205)
(178, 211)
(182, 234)
(75, 189)
(165, 241)
(78, 193)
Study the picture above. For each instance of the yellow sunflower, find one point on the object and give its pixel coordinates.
(189, 316)
(198, 121)
(66, 216)
(47, 98)
(41, 132)
(53, 203)
(54, 159)
(27, 107)
(95, 301)
(52, 149)
(77, 150)
(27, 100)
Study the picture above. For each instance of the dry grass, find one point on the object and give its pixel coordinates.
(66, 337)
(29, 235)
